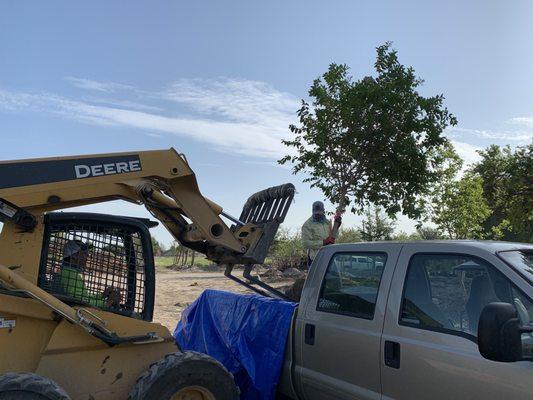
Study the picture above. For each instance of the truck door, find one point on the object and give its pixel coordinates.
(339, 328)
(429, 343)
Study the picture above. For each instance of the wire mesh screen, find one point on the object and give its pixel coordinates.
(96, 264)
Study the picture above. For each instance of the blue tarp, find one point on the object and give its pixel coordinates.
(246, 333)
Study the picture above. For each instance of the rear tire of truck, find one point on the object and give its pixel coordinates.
(186, 375)
(27, 386)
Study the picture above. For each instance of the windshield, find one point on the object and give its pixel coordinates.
(522, 260)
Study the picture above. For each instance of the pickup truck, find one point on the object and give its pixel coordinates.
(389, 320)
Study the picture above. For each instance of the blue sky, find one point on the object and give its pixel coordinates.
(221, 80)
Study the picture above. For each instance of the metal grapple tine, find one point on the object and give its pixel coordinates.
(268, 205)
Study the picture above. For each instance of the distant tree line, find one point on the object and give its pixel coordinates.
(160, 250)
(493, 199)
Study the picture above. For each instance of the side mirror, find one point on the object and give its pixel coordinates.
(500, 333)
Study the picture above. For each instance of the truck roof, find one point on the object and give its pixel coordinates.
(488, 245)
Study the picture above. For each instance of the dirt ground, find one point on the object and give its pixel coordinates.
(176, 290)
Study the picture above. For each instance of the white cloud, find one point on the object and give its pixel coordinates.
(524, 121)
(236, 99)
(154, 135)
(238, 117)
(126, 104)
(13, 101)
(270, 163)
(88, 84)
(467, 152)
(232, 137)
(516, 136)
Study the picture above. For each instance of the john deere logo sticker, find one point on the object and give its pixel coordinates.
(38, 172)
(86, 171)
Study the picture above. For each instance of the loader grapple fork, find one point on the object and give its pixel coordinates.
(269, 205)
(266, 209)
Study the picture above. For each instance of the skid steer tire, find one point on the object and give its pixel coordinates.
(185, 375)
(27, 386)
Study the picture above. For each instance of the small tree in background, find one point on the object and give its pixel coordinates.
(287, 250)
(348, 235)
(371, 141)
(460, 209)
(508, 190)
(158, 249)
(376, 226)
(173, 250)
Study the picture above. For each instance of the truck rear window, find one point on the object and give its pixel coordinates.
(351, 284)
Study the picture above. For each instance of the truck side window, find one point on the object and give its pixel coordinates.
(447, 292)
(351, 284)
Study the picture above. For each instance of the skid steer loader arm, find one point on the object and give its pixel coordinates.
(161, 180)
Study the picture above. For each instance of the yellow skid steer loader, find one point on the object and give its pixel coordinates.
(77, 289)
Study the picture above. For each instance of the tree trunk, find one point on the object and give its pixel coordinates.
(339, 211)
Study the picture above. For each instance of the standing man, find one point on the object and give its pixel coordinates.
(317, 231)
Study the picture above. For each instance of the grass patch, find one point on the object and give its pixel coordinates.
(165, 262)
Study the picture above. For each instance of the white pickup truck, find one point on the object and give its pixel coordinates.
(390, 320)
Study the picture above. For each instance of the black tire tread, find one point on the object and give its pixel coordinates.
(145, 381)
(32, 383)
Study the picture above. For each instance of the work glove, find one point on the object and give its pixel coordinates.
(328, 240)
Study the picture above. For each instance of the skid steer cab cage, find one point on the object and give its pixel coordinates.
(99, 261)
(266, 209)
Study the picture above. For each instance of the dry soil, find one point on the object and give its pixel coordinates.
(176, 290)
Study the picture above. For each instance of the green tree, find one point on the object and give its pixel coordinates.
(508, 190)
(156, 246)
(460, 208)
(287, 250)
(348, 235)
(173, 249)
(286, 243)
(376, 226)
(520, 194)
(376, 140)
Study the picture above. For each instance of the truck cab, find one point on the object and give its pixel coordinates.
(391, 320)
